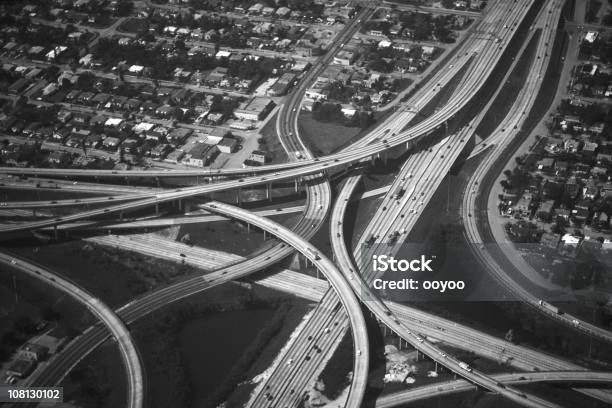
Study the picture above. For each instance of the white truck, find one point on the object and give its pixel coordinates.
(465, 366)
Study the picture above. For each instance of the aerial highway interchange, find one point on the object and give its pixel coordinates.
(425, 151)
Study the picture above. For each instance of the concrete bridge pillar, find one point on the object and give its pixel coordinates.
(296, 262)
(156, 209)
(269, 191)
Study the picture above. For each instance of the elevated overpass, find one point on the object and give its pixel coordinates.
(114, 325)
(455, 334)
(361, 284)
(489, 53)
(504, 135)
(452, 387)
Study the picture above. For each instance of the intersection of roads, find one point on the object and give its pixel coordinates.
(346, 292)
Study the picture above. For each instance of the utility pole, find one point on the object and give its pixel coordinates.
(15, 289)
(447, 195)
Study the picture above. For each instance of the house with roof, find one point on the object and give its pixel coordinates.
(523, 204)
(255, 159)
(256, 8)
(546, 164)
(590, 191)
(93, 141)
(157, 134)
(255, 109)
(283, 12)
(132, 104)
(178, 136)
(111, 143)
(113, 122)
(580, 212)
(55, 52)
(216, 76)
(100, 99)
(20, 368)
(86, 97)
(33, 351)
(57, 157)
(228, 145)
(345, 57)
(200, 155)
(19, 86)
(545, 211)
(160, 151)
(167, 111)
(562, 214)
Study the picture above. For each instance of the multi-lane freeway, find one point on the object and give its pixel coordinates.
(339, 311)
(486, 50)
(503, 136)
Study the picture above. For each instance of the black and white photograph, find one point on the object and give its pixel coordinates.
(306, 203)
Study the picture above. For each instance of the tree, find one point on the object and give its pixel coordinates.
(422, 27)
(50, 314)
(51, 72)
(328, 112)
(24, 325)
(86, 81)
(180, 45)
(124, 8)
(510, 336)
(380, 65)
(21, 102)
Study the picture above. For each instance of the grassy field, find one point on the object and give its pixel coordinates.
(324, 138)
(24, 301)
(114, 275)
(132, 25)
(99, 380)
